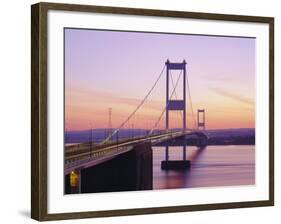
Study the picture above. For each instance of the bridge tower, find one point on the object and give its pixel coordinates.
(178, 104)
(175, 105)
(201, 122)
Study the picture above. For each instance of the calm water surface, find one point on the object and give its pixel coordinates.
(212, 166)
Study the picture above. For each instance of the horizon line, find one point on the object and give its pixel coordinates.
(155, 129)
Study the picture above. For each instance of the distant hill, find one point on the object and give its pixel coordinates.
(242, 136)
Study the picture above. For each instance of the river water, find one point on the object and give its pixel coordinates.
(213, 166)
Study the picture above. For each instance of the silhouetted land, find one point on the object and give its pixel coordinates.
(229, 137)
(243, 136)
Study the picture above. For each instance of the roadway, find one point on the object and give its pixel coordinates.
(86, 154)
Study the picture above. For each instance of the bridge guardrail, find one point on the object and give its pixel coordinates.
(87, 150)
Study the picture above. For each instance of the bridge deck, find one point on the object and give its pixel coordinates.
(86, 154)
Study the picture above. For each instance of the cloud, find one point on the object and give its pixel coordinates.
(237, 97)
(110, 98)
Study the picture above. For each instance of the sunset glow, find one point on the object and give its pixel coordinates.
(111, 69)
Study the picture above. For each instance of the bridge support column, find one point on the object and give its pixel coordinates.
(128, 171)
(184, 152)
(175, 164)
(166, 153)
(175, 105)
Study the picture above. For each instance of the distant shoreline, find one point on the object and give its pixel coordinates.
(241, 136)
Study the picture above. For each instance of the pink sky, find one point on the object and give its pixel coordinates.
(111, 69)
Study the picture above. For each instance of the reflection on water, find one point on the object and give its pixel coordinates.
(213, 166)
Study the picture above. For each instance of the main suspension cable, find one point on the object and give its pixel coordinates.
(164, 109)
(190, 99)
(137, 108)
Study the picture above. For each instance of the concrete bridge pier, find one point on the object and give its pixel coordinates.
(184, 152)
(166, 152)
(175, 164)
(128, 171)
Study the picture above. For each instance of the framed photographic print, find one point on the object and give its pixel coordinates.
(141, 111)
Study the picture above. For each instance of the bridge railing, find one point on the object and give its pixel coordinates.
(93, 150)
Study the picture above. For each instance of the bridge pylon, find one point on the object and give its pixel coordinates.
(175, 105)
(178, 104)
(201, 122)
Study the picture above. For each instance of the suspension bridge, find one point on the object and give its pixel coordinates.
(85, 159)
